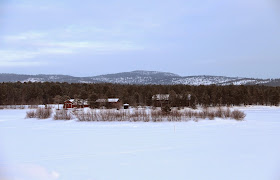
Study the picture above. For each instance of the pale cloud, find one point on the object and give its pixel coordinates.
(10, 58)
(28, 172)
(69, 47)
(54, 50)
(79, 29)
(25, 36)
(11, 55)
(30, 5)
(21, 64)
(35, 45)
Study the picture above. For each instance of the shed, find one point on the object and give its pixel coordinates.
(68, 103)
(125, 106)
(160, 99)
(110, 102)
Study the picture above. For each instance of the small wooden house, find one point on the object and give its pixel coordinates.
(160, 99)
(75, 103)
(68, 104)
(109, 103)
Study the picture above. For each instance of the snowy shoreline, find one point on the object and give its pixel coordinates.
(66, 150)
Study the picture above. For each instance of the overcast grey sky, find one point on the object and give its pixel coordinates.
(187, 37)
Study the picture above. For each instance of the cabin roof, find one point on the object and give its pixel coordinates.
(80, 101)
(111, 100)
(160, 97)
(101, 100)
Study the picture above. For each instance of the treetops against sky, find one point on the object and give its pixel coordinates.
(232, 38)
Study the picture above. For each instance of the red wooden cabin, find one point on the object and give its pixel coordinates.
(72, 103)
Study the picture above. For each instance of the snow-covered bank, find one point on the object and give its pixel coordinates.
(34, 149)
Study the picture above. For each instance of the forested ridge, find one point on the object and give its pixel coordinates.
(212, 95)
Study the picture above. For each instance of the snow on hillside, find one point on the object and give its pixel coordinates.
(148, 73)
(140, 77)
(245, 81)
(125, 80)
(219, 149)
(202, 80)
(137, 77)
(53, 77)
(33, 80)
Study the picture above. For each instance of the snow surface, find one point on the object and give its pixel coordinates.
(202, 80)
(33, 80)
(32, 149)
(246, 81)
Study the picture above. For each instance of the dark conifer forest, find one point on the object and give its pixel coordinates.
(212, 95)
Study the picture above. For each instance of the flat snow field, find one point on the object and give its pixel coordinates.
(32, 149)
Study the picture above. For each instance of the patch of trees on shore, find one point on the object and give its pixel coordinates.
(179, 95)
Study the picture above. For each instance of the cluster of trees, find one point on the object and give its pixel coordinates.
(179, 95)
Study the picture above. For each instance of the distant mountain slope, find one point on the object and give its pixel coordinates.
(138, 77)
(273, 82)
(205, 80)
(37, 78)
(141, 77)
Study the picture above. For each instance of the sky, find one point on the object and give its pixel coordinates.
(186, 37)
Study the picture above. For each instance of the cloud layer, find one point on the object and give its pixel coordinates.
(27, 172)
(185, 37)
(24, 47)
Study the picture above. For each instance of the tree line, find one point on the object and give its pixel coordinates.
(33, 93)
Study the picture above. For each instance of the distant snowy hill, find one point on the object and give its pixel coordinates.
(141, 77)
(138, 77)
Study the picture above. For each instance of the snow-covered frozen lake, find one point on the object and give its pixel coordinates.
(32, 149)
